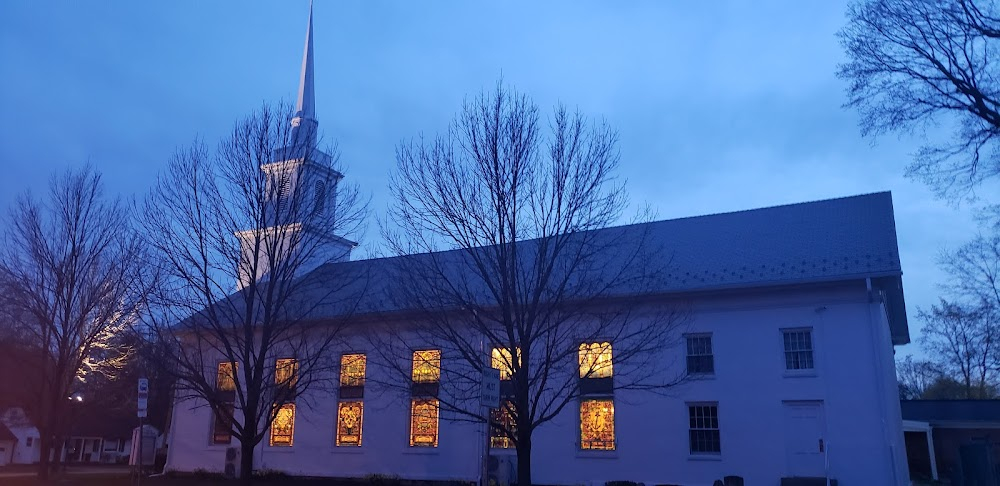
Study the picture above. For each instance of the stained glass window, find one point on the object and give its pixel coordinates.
(283, 427)
(798, 349)
(225, 378)
(597, 424)
(502, 426)
(222, 426)
(427, 366)
(502, 361)
(286, 371)
(704, 429)
(349, 418)
(424, 423)
(352, 370)
(595, 360)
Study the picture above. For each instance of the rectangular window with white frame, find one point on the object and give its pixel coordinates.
(283, 426)
(225, 389)
(222, 424)
(703, 429)
(597, 401)
(700, 359)
(798, 346)
(350, 410)
(424, 405)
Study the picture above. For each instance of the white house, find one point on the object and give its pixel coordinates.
(25, 448)
(794, 314)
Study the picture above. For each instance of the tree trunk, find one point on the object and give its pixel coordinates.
(59, 447)
(248, 434)
(44, 424)
(45, 444)
(246, 462)
(524, 459)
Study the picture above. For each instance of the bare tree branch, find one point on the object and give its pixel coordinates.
(915, 63)
(504, 225)
(74, 269)
(237, 232)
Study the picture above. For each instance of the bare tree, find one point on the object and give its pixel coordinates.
(964, 340)
(914, 63)
(974, 271)
(237, 232)
(74, 269)
(915, 377)
(517, 268)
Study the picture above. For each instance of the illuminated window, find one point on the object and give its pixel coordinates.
(222, 426)
(700, 360)
(502, 426)
(502, 361)
(283, 427)
(597, 424)
(427, 366)
(349, 417)
(704, 429)
(595, 360)
(286, 372)
(222, 421)
(352, 370)
(424, 423)
(225, 378)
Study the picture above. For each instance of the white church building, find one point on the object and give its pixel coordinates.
(794, 314)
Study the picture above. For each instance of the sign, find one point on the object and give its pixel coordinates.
(490, 389)
(143, 397)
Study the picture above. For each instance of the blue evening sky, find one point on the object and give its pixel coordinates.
(721, 106)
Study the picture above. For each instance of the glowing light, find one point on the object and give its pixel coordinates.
(427, 366)
(595, 360)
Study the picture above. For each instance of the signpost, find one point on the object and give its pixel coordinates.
(490, 391)
(143, 402)
(143, 397)
(489, 398)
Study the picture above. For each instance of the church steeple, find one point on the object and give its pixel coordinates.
(304, 122)
(303, 173)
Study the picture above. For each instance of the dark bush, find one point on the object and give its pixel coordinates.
(384, 480)
(270, 475)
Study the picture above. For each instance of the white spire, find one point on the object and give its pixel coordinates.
(305, 106)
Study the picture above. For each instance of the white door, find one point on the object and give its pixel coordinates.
(805, 447)
(4, 454)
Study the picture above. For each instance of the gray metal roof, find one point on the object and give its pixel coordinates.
(850, 238)
(833, 239)
(942, 412)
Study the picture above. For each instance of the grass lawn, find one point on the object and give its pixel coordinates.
(70, 480)
(96, 479)
(123, 479)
